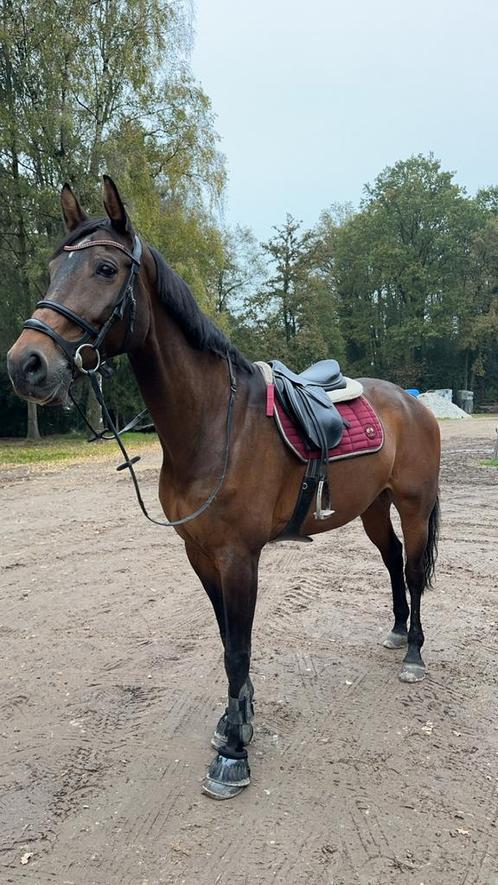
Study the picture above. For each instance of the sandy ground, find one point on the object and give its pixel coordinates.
(112, 681)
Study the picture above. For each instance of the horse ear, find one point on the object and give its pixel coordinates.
(71, 210)
(114, 207)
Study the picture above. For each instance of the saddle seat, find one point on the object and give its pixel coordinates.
(325, 373)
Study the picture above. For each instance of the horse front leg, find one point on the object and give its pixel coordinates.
(210, 579)
(229, 771)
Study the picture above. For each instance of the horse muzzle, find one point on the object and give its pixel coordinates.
(37, 377)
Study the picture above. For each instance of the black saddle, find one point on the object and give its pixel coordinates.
(304, 398)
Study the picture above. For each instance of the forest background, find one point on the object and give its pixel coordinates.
(403, 287)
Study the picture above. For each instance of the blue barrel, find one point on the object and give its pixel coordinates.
(412, 390)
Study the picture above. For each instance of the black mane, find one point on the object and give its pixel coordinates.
(173, 292)
(198, 329)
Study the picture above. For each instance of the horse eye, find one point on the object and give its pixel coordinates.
(106, 270)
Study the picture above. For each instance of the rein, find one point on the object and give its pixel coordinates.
(93, 339)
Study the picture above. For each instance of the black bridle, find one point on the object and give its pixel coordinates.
(94, 339)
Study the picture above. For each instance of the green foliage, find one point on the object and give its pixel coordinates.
(122, 393)
(293, 316)
(407, 271)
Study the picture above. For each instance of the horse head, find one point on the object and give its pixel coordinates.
(89, 311)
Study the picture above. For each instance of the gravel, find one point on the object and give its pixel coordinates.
(441, 407)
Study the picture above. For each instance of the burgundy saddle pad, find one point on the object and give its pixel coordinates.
(363, 435)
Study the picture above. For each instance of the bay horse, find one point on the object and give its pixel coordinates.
(103, 278)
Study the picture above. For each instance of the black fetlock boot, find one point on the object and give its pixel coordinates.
(219, 738)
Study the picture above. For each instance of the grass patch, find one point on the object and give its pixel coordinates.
(491, 462)
(71, 447)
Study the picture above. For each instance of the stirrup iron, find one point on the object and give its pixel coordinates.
(322, 513)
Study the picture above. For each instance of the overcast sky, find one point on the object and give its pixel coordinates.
(314, 97)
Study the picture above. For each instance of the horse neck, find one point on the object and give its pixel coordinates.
(185, 390)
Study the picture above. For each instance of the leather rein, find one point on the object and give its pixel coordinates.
(94, 339)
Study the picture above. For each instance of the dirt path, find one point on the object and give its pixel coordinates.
(112, 681)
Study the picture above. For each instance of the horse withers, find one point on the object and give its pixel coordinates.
(111, 293)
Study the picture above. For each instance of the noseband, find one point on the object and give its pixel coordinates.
(93, 338)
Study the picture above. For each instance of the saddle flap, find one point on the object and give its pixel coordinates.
(312, 409)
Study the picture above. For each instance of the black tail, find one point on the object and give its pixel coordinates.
(430, 554)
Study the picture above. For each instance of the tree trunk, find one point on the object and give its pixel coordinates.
(93, 411)
(465, 385)
(472, 376)
(32, 431)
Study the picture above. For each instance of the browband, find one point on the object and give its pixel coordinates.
(90, 243)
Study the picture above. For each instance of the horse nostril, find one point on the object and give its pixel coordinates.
(35, 368)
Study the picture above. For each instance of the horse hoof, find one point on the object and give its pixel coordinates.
(226, 778)
(413, 673)
(219, 791)
(395, 640)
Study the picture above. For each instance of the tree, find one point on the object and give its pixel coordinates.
(292, 314)
(288, 253)
(477, 314)
(242, 270)
(401, 269)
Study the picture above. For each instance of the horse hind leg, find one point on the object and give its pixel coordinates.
(420, 524)
(378, 526)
